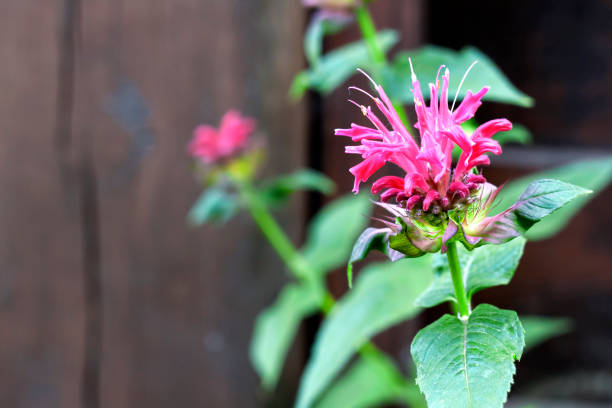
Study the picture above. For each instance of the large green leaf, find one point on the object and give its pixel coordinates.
(539, 329)
(592, 174)
(468, 364)
(333, 231)
(275, 328)
(427, 60)
(383, 296)
(373, 380)
(276, 191)
(336, 66)
(213, 205)
(484, 267)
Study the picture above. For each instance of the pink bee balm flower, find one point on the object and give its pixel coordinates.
(210, 144)
(431, 183)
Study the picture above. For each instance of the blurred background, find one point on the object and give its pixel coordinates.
(98, 101)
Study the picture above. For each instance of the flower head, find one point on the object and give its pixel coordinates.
(211, 145)
(434, 199)
(430, 183)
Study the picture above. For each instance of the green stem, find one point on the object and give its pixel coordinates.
(288, 253)
(272, 231)
(368, 31)
(455, 268)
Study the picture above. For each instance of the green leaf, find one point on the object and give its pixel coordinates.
(333, 231)
(592, 174)
(484, 267)
(542, 197)
(313, 39)
(276, 326)
(279, 189)
(427, 60)
(468, 364)
(539, 329)
(371, 239)
(383, 296)
(371, 381)
(213, 205)
(336, 66)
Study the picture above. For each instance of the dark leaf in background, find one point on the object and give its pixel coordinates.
(427, 61)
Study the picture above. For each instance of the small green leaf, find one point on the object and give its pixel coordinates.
(213, 205)
(276, 326)
(277, 191)
(371, 239)
(371, 381)
(592, 174)
(539, 329)
(383, 296)
(336, 66)
(542, 197)
(427, 60)
(484, 267)
(468, 364)
(313, 39)
(333, 231)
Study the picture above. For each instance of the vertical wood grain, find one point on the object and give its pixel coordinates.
(179, 303)
(41, 302)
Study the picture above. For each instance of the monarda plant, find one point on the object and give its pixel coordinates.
(445, 206)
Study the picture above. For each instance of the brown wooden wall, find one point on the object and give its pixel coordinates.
(98, 101)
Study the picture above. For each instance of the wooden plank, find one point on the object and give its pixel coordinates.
(179, 303)
(40, 251)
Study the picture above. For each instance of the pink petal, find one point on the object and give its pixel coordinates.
(431, 196)
(365, 169)
(469, 105)
(387, 182)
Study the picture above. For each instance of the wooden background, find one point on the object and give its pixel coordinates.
(98, 101)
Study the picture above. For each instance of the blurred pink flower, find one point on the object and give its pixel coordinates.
(331, 4)
(210, 144)
(430, 181)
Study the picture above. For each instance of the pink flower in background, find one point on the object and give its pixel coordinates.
(430, 181)
(331, 4)
(210, 144)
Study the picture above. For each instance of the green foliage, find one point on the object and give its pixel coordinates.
(336, 66)
(539, 329)
(276, 326)
(542, 197)
(383, 296)
(333, 231)
(214, 205)
(371, 381)
(484, 267)
(592, 174)
(427, 60)
(371, 239)
(468, 364)
(276, 191)
(313, 39)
